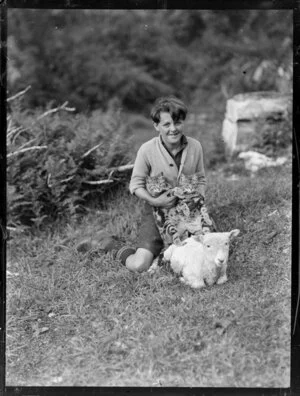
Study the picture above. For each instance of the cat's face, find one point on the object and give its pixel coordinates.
(156, 185)
(187, 185)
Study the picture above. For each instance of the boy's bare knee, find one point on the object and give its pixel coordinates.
(140, 261)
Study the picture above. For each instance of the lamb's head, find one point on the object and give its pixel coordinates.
(216, 245)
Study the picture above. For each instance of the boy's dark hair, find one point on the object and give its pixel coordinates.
(169, 104)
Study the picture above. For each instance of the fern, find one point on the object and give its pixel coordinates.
(53, 183)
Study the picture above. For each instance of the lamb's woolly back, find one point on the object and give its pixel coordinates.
(185, 255)
(202, 258)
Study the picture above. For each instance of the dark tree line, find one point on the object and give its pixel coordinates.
(94, 57)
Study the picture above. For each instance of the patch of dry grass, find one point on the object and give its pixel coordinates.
(85, 320)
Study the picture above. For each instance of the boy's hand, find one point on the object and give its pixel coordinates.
(165, 200)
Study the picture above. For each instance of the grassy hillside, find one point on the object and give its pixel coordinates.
(85, 320)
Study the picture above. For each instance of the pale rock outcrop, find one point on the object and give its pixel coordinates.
(255, 161)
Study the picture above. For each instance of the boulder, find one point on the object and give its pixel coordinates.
(251, 107)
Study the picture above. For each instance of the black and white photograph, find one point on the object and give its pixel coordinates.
(149, 197)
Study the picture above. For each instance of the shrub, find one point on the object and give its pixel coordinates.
(273, 136)
(52, 180)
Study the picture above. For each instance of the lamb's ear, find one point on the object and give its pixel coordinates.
(234, 233)
(199, 238)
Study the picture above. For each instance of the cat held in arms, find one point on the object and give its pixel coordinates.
(193, 248)
(188, 217)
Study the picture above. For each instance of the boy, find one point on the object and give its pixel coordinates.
(172, 153)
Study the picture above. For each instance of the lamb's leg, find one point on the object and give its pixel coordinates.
(195, 284)
(223, 278)
(210, 279)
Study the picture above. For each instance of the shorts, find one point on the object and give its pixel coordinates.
(149, 237)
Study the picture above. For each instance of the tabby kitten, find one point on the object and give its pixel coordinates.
(188, 216)
(156, 185)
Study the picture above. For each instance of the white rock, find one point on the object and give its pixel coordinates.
(255, 161)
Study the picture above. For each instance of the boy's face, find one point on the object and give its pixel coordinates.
(171, 131)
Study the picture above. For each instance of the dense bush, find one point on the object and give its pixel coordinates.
(273, 136)
(50, 181)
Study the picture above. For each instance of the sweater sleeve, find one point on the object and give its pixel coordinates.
(200, 169)
(140, 170)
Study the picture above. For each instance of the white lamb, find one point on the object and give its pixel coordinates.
(201, 259)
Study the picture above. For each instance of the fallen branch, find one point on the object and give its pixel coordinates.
(14, 138)
(91, 150)
(98, 182)
(26, 144)
(26, 149)
(14, 229)
(9, 122)
(121, 168)
(48, 180)
(67, 179)
(62, 107)
(14, 130)
(18, 94)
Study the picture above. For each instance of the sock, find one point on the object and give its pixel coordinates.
(124, 253)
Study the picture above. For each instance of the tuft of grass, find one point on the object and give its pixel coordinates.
(84, 320)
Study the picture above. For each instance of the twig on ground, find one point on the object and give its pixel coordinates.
(18, 94)
(26, 149)
(98, 182)
(48, 180)
(91, 150)
(17, 131)
(27, 143)
(14, 229)
(62, 107)
(67, 179)
(18, 134)
(9, 122)
(121, 168)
